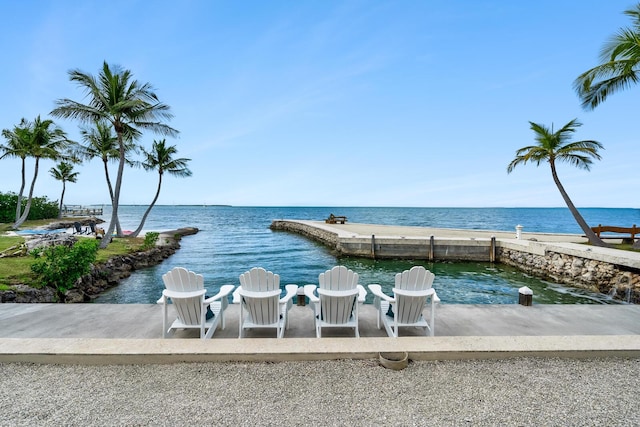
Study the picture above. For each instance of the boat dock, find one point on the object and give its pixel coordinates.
(77, 210)
(386, 241)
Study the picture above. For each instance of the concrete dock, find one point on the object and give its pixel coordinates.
(131, 333)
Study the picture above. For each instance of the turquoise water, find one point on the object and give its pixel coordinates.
(234, 239)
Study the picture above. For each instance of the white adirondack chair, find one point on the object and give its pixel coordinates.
(335, 300)
(412, 290)
(260, 302)
(185, 289)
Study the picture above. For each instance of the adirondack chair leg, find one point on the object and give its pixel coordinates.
(223, 306)
(356, 317)
(164, 318)
(280, 331)
(240, 334)
(211, 330)
(289, 305)
(203, 318)
(432, 326)
(395, 323)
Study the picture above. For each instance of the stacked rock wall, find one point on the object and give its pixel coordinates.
(618, 281)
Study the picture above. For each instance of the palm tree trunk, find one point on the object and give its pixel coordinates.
(19, 204)
(61, 199)
(116, 194)
(106, 174)
(144, 217)
(25, 214)
(593, 238)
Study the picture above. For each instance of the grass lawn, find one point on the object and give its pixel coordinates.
(15, 270)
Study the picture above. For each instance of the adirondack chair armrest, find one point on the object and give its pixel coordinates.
(236, 296)
(292, 291)
(160, 300)
(362, 293)
(376, 290)
(435, 297)
(179, 294)
(309, 292)
(225, 290)
(344, 293)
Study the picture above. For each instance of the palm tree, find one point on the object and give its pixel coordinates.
(17, 146)
(63, 172)
(160, 158)
(620, 67)
(557, 146)
(44, 142)
(100, 142)
(127, 105)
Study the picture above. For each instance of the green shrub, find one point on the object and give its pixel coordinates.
(150, 240)
(60, 266)
(41, 207)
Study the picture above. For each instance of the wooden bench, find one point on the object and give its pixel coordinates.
(336, 219)
(632, 232)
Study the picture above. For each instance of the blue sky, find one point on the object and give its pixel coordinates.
(334, 103)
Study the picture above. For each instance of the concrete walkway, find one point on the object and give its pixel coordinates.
(130, 333)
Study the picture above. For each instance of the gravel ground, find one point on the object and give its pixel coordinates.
(521, 392)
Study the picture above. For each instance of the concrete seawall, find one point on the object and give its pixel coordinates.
(563, 258)
(348, 242)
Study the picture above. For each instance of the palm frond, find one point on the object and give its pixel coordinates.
(619, 68)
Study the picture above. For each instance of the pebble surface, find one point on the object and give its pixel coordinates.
(513, 392)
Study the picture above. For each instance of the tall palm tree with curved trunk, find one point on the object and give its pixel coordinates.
(45, 141)
(99, 141)
(17, 146)
(129, 106)
(555, 147)
(619, 68)
(63, 172)
(160, 158)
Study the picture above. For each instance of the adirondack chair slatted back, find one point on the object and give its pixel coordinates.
(337, 309)
(409, 308)
(182, 280)
(263, 310)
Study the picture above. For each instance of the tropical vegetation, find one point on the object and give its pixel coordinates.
(619, 67)
(116, 112)
(128, 106)
(41, 208)
(40, 139)
(60, 266)
(552, 147)
(160, 158)
(100, 142)
(63, 172)
(57, 269)
(618, 70)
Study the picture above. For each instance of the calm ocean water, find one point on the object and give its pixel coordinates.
(234, 239)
